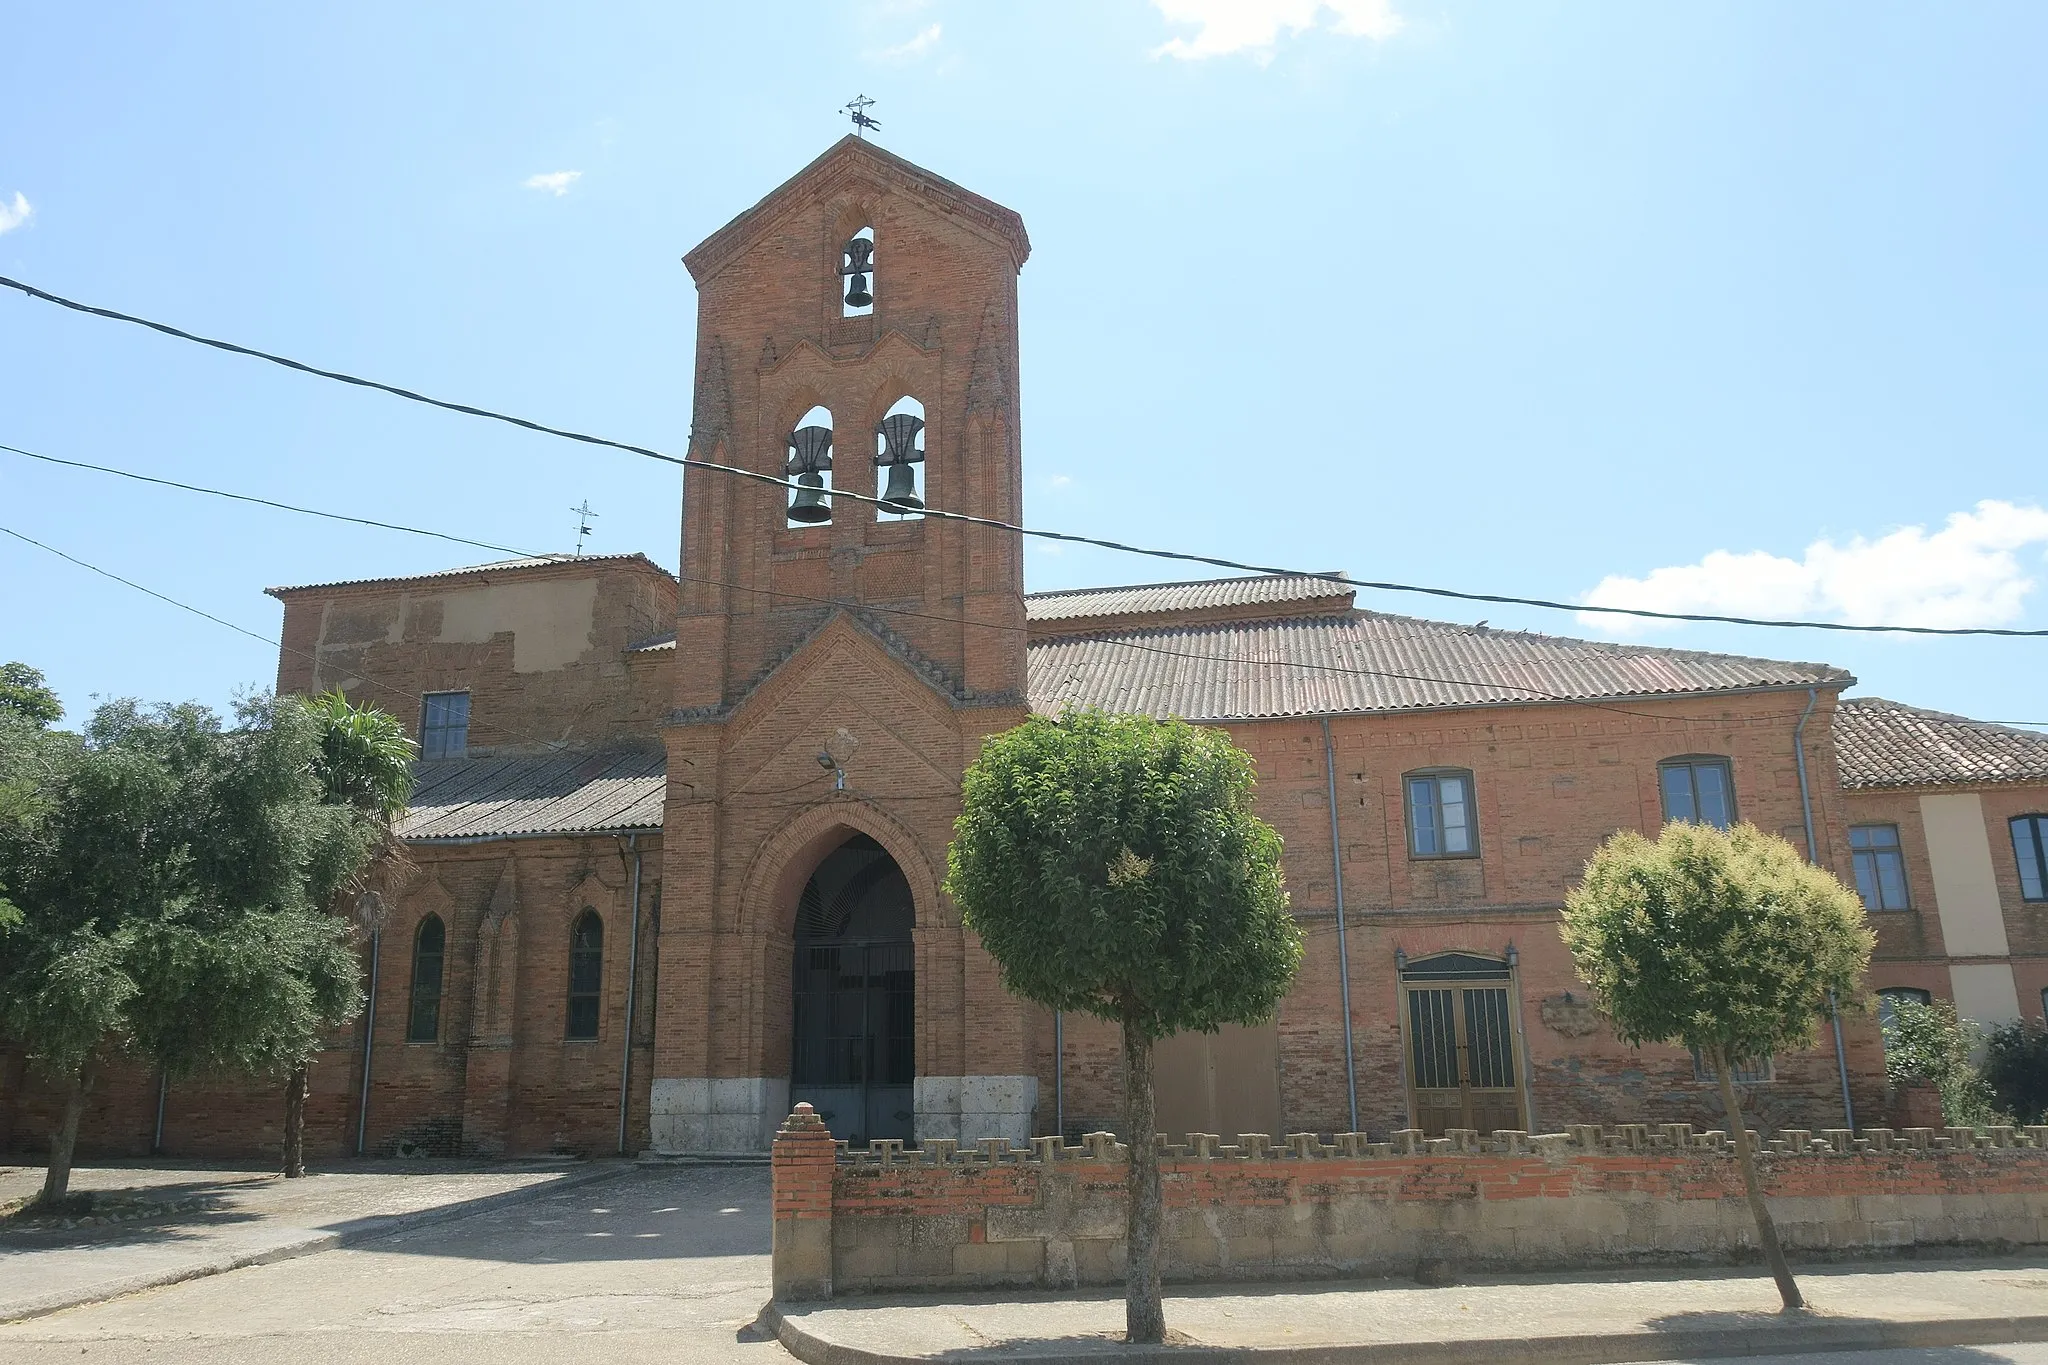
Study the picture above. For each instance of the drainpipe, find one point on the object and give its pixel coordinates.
(1813, 856)
(632, 984)
(1343, 951)
(163, 1085)
(369, 1036)
(1059, 1074)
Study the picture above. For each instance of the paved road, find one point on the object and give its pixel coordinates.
(664, 1264)
(2025, 1353)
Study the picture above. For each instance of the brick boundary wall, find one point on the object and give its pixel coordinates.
(1052, 1216)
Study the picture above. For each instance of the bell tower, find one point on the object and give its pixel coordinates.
(857, 331)
(837, 664)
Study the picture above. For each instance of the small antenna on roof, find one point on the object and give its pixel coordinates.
(583, 516)
(857, 110)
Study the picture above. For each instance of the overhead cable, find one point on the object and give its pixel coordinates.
(1215, 561)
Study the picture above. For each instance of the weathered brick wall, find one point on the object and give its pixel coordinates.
(1634, 1194)
(512, 1086)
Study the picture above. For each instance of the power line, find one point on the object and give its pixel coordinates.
(844, 604)
(1501, 599)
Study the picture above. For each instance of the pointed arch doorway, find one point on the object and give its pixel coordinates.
(852, 1044)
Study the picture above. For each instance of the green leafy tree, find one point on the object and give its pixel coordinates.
(1114, 865)
(1930, 1043)
(24, 693)
(171, 880)
(1726, 942)
(364, 766)
(2016, 1069)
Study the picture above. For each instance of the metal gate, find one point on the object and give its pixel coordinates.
(853, 1041)
(1462, 1063)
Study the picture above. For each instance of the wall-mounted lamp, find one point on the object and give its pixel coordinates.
(1513, 956)
(1400, 959)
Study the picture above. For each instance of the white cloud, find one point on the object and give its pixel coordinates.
(1227, 26)
(556, 183)
(14, 215)
(1060, 481)
(1965, 574)
(926, 39)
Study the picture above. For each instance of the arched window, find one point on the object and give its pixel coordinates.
(899, 456)
(857, 273)
(1441, 821)
(429, 948)
(2030, 851)
(1699, 788)
(810, 464)
(1891, 997)
(586, 973)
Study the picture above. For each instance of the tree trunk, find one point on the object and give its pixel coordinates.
(1766, 1230)
(64, 1141)
(1144, 1312)
(295, 1122)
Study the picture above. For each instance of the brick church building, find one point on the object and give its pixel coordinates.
(681, 837)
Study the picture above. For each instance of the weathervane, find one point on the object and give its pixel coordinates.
(583, 516)
(857, 110)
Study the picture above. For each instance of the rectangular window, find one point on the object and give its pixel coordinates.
(1746, 1073)
(1880, 866)
(1440, 815)
(2030, 851)
(1698, 789)
(444, 725)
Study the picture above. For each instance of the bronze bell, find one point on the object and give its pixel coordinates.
(859, 261)
(809, 504)
(901, 493)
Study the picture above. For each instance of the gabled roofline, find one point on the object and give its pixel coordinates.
(713, 254)
(553, 565)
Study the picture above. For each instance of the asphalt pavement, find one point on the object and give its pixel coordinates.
(648, 1264)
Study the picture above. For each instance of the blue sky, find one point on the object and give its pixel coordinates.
(1706, 306)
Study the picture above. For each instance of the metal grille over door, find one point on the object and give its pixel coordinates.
(1463, 1071)
(852, 1048)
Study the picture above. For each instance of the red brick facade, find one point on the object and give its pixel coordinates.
(892, 647)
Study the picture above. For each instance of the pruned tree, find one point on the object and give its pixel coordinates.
(1725, 942)
(1114, 865)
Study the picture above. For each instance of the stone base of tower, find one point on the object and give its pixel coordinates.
(970, 1108)
(716, 1115)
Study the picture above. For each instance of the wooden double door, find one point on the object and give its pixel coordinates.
(1464, 1062)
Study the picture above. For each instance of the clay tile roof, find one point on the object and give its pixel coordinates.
(1075, 605)
(496, 566)
(506, 796)
(1881, 743)
(1365, 661)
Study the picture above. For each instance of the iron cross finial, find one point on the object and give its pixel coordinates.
(857, 110)
(583, 516)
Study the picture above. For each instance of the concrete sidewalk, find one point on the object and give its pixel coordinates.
(1504, 1320)
(200, 1220)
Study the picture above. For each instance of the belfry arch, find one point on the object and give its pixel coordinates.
(853, 994)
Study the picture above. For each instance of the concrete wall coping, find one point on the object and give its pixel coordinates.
(1580, 1140)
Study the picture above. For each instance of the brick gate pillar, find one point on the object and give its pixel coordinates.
(801, 1171)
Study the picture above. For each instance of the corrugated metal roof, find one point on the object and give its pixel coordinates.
(1365, 661)
(495, 566)
(1881, 743)
(563, 793)
(1146, 598)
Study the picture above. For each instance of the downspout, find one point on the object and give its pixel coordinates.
(369, 1036)
(632, 984)
(1343, 950)
(163, 1085)
(1059, 1074)
(1813, 856)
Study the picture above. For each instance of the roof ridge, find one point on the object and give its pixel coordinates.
(1333, 577)
(1617, 646)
